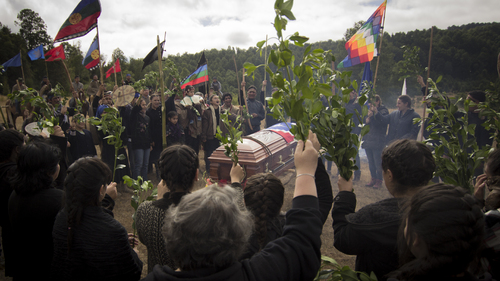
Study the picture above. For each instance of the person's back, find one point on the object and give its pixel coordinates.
(371, 233)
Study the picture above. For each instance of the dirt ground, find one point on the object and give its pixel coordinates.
(365, 195)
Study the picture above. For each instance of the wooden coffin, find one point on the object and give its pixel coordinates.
(269, 150)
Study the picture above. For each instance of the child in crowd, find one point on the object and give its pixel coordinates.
(80, 139)
(175, 134)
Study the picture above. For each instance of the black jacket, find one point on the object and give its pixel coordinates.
(375, 138)
(400, 127)
(141, 133)
(370, 233)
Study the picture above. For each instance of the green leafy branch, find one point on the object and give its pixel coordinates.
(326, 272)
(410, 65)
(455, 149)
(111, 125)
(230, 140)
(143, 191)
(150, 79)
(300, 86)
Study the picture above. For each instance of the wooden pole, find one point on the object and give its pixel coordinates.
(22, 69)
(426, 86)
(69, 77)
(100, 56)
(162, 87)
(245, 99)
(114, 71)
(379, 50)
(236, 70)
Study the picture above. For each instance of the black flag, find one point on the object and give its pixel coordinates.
(202, 61)
(152, 56)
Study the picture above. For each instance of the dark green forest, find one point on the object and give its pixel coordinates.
(465, 56)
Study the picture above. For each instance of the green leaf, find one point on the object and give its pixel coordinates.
(261, 43)
(120, 166)
(121, 157)
(439, 79)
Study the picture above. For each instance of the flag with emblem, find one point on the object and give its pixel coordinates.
(362, 46)
(91, 60)
(56, 53)
(81, 21)
(36, 53)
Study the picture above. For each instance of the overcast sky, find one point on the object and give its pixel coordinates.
(195, 25)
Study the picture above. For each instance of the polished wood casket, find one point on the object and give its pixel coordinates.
(269, 150)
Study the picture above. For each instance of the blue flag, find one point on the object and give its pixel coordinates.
(37, 53)
(15, 61)
(367, 76)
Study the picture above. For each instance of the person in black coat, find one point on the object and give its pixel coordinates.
(89, 244)
(371, 232)
(155, 125)
(33, 206)
(353, 107)
(374, 143)
(11, 141)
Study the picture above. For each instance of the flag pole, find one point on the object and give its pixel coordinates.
(162, 87)
(114, 71)
(100, 56)
(22, 69)
(69, 76)
(206, 91)
(426, 86)
(379, 50)
(245, 99)
(236, 70)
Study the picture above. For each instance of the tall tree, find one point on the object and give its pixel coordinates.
(32, 28)
(352, 30)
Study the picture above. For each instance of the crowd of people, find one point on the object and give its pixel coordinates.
(58, 199)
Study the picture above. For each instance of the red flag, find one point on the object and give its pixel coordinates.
(113, 69)
(56, 53)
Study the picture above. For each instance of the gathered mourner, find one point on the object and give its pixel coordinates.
(89, 244)
(190, 114)
(371, 232)
(11, 142)
(441, 235)
(374, 143)
(255, 109)
(33, 206)
(179, 171)
(141, 139)
(210, 121)
(400, 121)
(81, 143)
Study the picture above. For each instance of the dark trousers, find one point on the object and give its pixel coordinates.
(194, 143)
(210, 146)
(375, 162)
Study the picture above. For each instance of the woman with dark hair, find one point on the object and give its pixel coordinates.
(440, 235)
(179, 171)
(374, 143)
(11, 141)
(264, 194)
(207, 232)
(175, 133)
(400, 121)
(89, 244)
(371, 232)
(141, 139)
(491, 180)
(33, 206)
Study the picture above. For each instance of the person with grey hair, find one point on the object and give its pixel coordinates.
(207, 232)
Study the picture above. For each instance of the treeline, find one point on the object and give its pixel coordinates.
(466, 57)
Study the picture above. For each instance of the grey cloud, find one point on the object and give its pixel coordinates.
(239, 38)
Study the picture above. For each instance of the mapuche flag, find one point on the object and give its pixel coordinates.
(114, 68)
(91, 60)
(81, 21)
(197, 77)
(362, 46)
(56, 53)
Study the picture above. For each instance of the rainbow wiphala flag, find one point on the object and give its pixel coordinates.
(362, 47)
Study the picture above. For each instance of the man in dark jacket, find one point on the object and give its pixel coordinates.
(255, 109)
(400, 121)
(371, 233)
